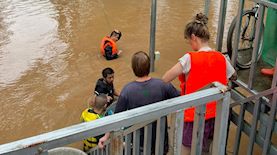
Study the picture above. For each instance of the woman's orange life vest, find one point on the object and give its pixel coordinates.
(107, 41)
(206, 67)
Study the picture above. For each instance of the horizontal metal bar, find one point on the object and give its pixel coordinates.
(244, 86)
(267, 3)
(246, 129)
(254, 97)
(235, 95)
(137, 126)
(249, 105)
(81, 131)
(251, 91)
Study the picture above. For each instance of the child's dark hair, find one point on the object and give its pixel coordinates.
(107, 71)
(100, 101)
(198, 27)
(141, 64)
(116, 32)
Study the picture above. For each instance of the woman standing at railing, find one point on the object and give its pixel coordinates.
(195, 70)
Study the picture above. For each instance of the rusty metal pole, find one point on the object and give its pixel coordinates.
(221, 22)
(152, 35)
(207, 7)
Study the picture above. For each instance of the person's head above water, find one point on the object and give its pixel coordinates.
(196, 31)
(108, 75)
(116, 35)
(141, 64)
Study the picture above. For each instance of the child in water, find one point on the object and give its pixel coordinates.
(108, 45)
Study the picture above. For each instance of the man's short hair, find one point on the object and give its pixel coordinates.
(100, 101)
(107, 71)
(141, 64)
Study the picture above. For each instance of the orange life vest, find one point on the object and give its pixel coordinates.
(107, 41)
(206, 67)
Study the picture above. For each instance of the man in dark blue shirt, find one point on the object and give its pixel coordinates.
(143, 91)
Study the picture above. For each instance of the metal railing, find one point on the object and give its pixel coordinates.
(42, 143)
(262, 122)
(261, 105)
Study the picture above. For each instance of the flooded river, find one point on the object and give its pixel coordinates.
(49, 54)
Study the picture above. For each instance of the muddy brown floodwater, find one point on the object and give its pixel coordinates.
(49, 54)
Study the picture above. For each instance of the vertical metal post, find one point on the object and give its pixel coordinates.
(152, 35)
(239, 129)
(160, 136)
(221, 22)
(128, 138)
(120, 144)
(270, 125)
(107, 149)
(147, 139)
(256, 46)
(136, 142)
(228, 127)
(207, 7)
(198, 130)
(116, 144)
(221, 122)
(178, 133)
(253, 131)
(274, 80)
(237, 33)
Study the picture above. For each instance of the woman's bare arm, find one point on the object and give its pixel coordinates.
(171, 74)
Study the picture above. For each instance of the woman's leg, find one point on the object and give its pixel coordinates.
(187, 136)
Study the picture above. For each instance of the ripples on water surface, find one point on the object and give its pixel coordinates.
(49, 54)
(30, 31)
